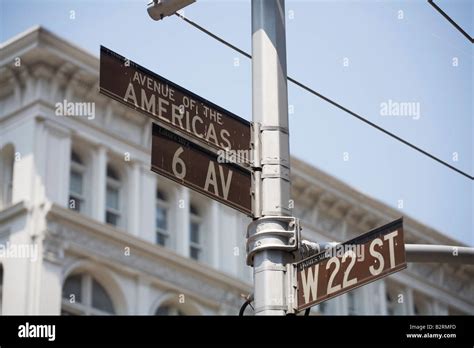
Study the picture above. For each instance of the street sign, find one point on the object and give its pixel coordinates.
(199, 169)
(350, 265)
(170, 104)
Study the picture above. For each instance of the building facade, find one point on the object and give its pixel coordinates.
(87, 228)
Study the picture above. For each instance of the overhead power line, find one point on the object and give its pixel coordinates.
(332, 102)
(450, 20)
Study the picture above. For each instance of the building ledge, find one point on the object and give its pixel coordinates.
(13, 210)
(144, 248)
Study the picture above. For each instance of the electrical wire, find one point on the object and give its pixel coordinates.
(450, 20)
(205, 31)
(244, 306)
(332, 102)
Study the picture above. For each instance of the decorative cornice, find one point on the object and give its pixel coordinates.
(304, 175)
(441, 278)
(53, 246)
(92, 239)
(13, 211)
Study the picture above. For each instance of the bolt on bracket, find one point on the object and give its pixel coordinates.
(272, 232)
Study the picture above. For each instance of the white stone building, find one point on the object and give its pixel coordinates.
(87, 228)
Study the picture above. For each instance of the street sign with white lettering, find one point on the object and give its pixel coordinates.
(199, 169)
(349, 265)
(170, 104)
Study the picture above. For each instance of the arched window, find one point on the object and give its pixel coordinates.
(173, 305)
(390, 303)
(323, 307)
(351, 303)
(421, 305)
(76, 183)
(416, 309)
(1, 288)
(168, 309)
(455, 311)
(112, 209)
(162, 218)
(320, 309)
(84, 295)
(195, 234)
(395, 301)
(7, 156)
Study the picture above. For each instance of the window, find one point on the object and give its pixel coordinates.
(169, 310)
(455, 311)
(76, 183)
(195, 243)
(416, 309)
(112, 209)
(162, 218)
(395, 300)
(421, 305)
(322, 307)
(82, 294)
(1, 288)
(6, 173)
(390, 304)
(351, 303)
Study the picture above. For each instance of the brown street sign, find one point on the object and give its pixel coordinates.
(191, 165)
(350, 265)
(168, 103)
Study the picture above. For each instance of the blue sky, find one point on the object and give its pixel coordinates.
(405, 60)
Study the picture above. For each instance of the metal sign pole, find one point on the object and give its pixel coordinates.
(415, 253)
(439, 254)
(273, 236)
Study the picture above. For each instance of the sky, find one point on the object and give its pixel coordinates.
(364, 55)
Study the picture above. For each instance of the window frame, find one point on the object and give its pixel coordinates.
(197, 219)
(115, 184)
(351, 303)
(7, 157)
(85, 306)
(322, 307)
(172, 310)
(2, 273)
(421, 305)
(392, 305)
(165, 205)
(78, 168)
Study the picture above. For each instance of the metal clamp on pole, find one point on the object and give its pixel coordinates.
(279, 232)
(257, 169)
(308, 249)
(292, 287)
(256, 145)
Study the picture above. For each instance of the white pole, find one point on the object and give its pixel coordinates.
(270, 109)
(418, 253)
(439, 254)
